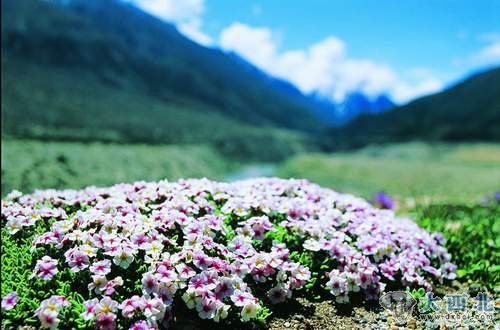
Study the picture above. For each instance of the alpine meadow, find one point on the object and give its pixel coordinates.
(209, 164)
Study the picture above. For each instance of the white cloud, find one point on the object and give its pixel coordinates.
(186, 14)
(489, 54)
(324, 66)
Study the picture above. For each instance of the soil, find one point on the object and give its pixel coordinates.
(303, 314)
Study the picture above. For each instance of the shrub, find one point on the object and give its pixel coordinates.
(128, 255)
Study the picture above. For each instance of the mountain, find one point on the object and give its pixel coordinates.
(357, 103)
(337, 114)
(467, 111)
(105, 70)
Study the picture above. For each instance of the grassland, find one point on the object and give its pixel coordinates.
(29, 165)
(430, 173)
(427, 173)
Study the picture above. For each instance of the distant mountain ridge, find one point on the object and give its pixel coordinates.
(125, 47)
(354, 104)
(466, 111)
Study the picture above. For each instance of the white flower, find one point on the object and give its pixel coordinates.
(123, 258)
(13, 225)
(221, 312)
(312, 245)
(106, 306)
(249, 311)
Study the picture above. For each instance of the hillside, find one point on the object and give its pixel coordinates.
(104, 70)
(467, 111)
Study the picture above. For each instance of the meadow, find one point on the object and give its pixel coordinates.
(419, 173)
(411, 172)
(30, 165)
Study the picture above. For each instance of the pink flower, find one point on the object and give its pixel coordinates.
(185, 272)
(140, 325)
(48, 319)
(149, 283)
(241, 298)
(46, 268)
(89, 311)
(206, 309)
(77, 260)
(131, 305)
(154, 309)
(101, 267)
(9, 301)
(106, 321)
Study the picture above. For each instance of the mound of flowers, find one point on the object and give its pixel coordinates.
(128, 256)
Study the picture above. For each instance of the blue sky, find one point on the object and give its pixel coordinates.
(404, 48)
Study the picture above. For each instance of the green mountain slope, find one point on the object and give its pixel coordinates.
(468, 111)
(104, 70)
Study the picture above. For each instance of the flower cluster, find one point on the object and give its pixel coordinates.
(214, 247)
(49, 310)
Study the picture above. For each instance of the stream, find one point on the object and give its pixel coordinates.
(252, 171)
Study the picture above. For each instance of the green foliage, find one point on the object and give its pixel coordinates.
(17, 261)
(473, 239)
(29, 165)
(469, 111)
(424, 172)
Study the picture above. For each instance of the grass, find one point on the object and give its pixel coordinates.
(478, 263)
(437, 173)
(29, 165)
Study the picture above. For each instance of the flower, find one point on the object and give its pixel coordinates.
(13, 225)
(140, 325)
(312, 245)
(277, 294)
(206, 308)
(383, 201)
(106, 306)
(240, 298)
(89, 306)
(213, 244)
(149, 283)
(249, 311)
(46, 268)
(48, 311)
(154, 309)
(77, 260)
(9, 301)
(106, 321)
(221, 311)
(48, 319)
(102, 267)
(123, 257)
